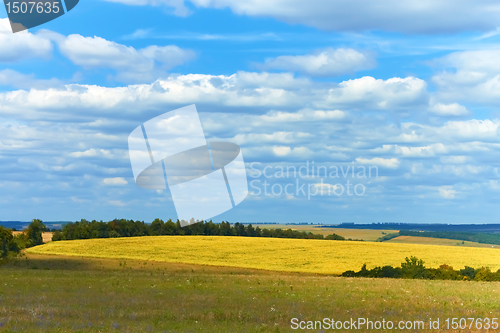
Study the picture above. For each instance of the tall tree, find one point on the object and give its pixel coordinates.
(34, 232)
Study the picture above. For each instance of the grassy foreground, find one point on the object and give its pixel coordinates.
(292, 255)
(70, 294)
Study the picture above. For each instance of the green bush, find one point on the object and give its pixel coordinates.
(444, 272)
(8, 244)
(57, 235)
(413, 268)
(468, 272)
(334, 237)
(34, 233)
(484, 274)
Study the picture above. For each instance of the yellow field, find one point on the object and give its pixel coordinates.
(364, 234)
(438, 241)
(293, 255)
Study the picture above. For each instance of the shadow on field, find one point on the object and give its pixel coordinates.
(49, 262)
(71, 263)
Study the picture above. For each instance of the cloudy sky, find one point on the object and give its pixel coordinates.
(410, 89)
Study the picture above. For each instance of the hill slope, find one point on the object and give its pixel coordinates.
(293, 255)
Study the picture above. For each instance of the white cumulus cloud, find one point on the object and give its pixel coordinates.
(322, 63)
(130, 63)
(384, 162)
(117, 181)
(22, 45)
(453, 109)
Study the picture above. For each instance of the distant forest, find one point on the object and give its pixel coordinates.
(129, 228)
(482, 228)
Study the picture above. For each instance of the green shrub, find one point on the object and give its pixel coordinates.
(468, 272)
(484, 274)
(413, 268)
(444, 272)
(57, 236)
(8, 244)
(334, 237)
(34, 233)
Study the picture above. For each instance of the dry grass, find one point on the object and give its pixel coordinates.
(293, 255)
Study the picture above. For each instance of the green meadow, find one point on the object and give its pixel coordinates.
(50, 293)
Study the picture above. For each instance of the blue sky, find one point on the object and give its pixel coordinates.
(411, 90)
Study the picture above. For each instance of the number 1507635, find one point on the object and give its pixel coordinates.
(32, 7)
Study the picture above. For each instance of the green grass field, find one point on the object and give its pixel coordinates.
(70, 294)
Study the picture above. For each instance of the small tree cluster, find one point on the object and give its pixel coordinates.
(8, 245)
(11, 245)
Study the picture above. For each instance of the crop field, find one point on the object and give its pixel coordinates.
(364, 234)
(47, 293)
(277, 254)
(438, 241)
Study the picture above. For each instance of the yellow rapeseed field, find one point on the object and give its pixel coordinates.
(293, 255)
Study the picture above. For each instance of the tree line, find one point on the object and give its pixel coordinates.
(129, 228)
(11, 245)
(413, 268)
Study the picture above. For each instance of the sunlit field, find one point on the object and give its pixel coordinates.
(277, 254)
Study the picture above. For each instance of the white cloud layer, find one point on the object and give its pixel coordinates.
(130, 63)
(22, 45)
(453, 109)
(177, 5)
(238, 90)
(472, 76)
(323, 63)
(117, 181)
(9, 77)
(422, 17)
